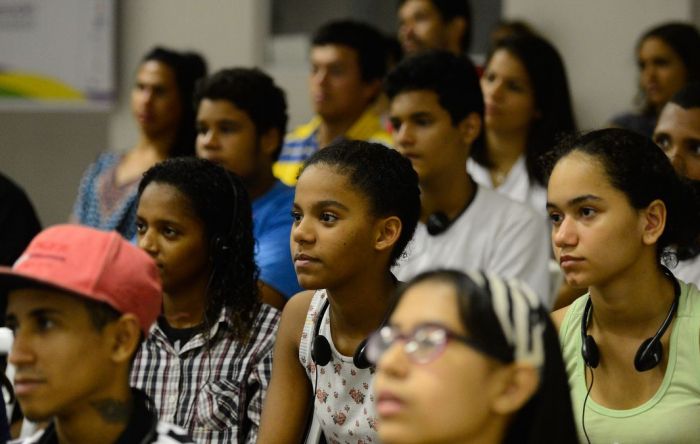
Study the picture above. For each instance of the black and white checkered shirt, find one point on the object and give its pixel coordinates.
(217, 395)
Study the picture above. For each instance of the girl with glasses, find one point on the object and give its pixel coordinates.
(469, 359)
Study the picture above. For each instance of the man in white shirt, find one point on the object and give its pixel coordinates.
(436, 111)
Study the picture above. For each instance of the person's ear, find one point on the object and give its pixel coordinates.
(270, 141)
(125, 334)
(371, 90)
(653, 221)
(516, 385)
(388, 230)
(470, 128)
(454, 30)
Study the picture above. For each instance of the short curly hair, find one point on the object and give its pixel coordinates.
(383, 176)
(367, 41)
(451, 77)
(251, 91)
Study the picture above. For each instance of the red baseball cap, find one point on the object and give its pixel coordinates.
(93, 264)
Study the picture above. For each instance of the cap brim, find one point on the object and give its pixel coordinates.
(13, 280)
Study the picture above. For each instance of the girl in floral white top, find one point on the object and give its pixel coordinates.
(355, 209)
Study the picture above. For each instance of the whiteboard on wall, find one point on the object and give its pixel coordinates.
(57, 54)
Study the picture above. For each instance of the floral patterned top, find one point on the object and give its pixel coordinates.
(344, 401)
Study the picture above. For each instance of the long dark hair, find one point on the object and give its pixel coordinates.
(188, 68)
(684, 39)
(547, 74)
(547, 417)
(636, 166)
(218, 198)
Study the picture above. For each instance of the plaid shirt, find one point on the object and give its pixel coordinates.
(217, 396)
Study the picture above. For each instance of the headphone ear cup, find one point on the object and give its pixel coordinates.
(321, 351)
(359, 359)
(589, 352)
(437, 223)
(649, 355)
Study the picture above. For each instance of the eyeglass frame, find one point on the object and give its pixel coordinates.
(408, 338)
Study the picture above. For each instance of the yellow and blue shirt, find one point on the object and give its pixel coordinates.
(301, 143)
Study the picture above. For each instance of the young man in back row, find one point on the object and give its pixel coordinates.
(436, 110)
(241, 121)
(348, 62)
(678, 134)
(80, 302)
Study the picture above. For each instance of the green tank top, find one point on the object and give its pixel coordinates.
(672, 415)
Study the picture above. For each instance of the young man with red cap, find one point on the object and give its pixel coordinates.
(79, 303)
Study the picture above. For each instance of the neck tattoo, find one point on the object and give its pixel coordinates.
(113, 411)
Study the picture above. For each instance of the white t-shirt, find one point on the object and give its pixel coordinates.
(494, 234)
(688, 271)
(517, 185)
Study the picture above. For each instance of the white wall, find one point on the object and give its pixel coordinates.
(597, 40)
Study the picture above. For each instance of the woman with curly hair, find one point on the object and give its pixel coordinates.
(207, 361)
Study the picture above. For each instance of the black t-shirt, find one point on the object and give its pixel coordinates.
(18, 221)
(177, 336)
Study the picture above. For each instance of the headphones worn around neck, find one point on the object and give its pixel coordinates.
(438, 222)
(222, 244)
(650, 352)
(321, 349)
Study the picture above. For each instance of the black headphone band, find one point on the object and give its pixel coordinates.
(438, 222)
(321, 351)
(319, 318)
(223, 242)
(649, 353)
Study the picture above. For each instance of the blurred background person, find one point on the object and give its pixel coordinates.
(161, 102)
(348, 62)
(668, 56)
(435, 24)
(527, 104)
(678, 134)
(241, 122)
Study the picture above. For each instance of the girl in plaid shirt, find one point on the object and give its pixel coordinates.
(206, 362)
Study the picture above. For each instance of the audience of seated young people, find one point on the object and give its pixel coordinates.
(668, 56)
(241, 122)
(436, 109)
(631, 345)
(348, 62)
(207, 361)
(161, 102)
(80, 303)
